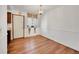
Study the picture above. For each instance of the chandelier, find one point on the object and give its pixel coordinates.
(40, 12)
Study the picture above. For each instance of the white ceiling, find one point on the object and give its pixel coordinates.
(30, 8)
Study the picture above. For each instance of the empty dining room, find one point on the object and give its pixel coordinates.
(43, 29)
(40, 29)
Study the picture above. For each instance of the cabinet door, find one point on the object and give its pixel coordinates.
(8, 17)
(8, 36)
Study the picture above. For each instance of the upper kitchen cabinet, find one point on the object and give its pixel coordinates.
(8, 17)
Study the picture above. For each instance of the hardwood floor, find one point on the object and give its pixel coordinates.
(38, 45)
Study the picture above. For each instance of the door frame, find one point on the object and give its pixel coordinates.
(13, 26)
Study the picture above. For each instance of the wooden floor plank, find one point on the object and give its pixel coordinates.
(38, 45)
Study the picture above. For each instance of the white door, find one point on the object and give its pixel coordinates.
(18, 26)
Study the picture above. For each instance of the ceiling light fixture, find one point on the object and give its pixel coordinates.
(40, 12)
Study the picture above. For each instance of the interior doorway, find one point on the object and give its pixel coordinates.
(18, 26)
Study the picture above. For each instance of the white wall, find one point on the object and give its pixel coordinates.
(3, 30)
(62, 25)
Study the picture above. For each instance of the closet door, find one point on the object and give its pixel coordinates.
(18, 26)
